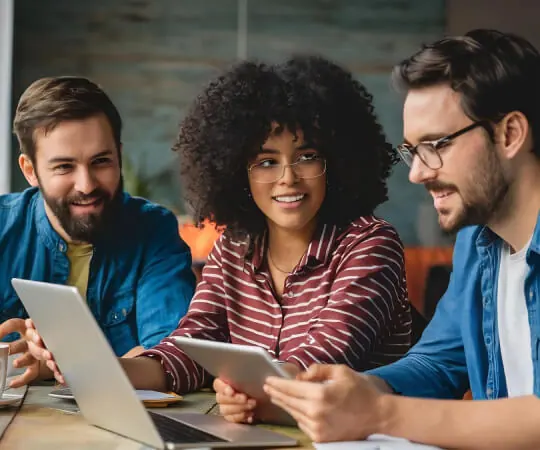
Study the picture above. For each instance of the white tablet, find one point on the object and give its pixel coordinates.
(244, 367)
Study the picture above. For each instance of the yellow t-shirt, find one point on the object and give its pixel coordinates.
(79, 256)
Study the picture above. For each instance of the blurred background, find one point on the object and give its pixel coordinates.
(153, 56)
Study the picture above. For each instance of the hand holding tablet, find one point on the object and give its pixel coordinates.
(244, 367)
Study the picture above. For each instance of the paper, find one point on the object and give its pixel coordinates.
(153, 395)
(375, 442)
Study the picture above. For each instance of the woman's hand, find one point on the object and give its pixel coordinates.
(234, 406)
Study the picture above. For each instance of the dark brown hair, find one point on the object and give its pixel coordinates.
(494, 72)
(50, 101)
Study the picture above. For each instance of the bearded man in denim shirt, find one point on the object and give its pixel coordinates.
(472, 138)
(77, 226)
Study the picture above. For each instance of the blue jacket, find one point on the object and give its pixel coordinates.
(140, 282)
(460, 346)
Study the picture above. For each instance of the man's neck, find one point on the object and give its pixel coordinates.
(517, 220)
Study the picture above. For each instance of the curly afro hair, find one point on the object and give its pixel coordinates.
(231, 119)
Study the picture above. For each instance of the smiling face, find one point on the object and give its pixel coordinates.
(289, 202)
(77, 169)
(471, 185)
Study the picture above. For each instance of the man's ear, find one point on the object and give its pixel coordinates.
(513, 133)
(28, 170)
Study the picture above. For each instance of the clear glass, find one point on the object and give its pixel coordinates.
(270, 172)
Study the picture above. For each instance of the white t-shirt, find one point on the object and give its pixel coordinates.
(513, 322)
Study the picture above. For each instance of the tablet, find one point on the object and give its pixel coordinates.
(244, 367)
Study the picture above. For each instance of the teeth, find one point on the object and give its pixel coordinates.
(290, 198)
(442, 194)
(85, 203)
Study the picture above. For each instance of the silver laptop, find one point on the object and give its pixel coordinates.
(103, 392)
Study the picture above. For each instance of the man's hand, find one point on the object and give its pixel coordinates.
(39, 352)
(329, 402)
(20, 346)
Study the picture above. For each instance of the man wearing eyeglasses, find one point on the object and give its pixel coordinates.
(471, 127)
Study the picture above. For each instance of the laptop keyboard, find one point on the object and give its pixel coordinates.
(178, 432)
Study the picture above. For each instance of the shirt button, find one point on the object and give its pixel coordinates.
(62, 247)
(486, 302)
(488, 340)
(531, 295)
(124, 312)
(115, 316)
(489, 391)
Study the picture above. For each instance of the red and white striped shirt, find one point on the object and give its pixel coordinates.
(345, 302)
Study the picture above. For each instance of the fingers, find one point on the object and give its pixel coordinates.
(31, 335)
(304, 422)
(233, 406)
(18, 346)
(29, 323)
(319, 373)
(292, 388)
(237, 408)
(235, 399)
(39, 352)
(299, 404)
(12, 326)
(29, 375)
(56, 372)
(243, 417)
(219, 385)
(25, 360)
(237, 413)
(225, 394)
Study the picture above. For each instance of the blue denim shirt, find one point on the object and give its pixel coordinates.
(140, 281)
(460, 347)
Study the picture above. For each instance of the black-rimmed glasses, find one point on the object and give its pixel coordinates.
(429, 151)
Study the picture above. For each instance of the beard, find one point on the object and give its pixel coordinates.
(88, 227)
(482, 196)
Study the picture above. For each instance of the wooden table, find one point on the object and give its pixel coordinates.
(45, 423)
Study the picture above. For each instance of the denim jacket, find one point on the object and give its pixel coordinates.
(140, 281)
(460, 347)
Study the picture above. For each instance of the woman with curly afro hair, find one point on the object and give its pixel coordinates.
(291, 161)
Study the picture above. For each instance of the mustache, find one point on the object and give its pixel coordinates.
(440, 186)
(97, 194)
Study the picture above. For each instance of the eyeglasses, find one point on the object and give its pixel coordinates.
(270, 171)
(429, 151)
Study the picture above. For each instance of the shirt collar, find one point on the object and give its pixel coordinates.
(487, 237)
(318, 252)
(535, 242)
(45, 230)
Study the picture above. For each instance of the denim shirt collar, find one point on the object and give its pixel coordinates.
(46, 232)
(486, 238)
(535, 242)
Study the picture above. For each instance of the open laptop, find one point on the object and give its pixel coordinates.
(103, 392)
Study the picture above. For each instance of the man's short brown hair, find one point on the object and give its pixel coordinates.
(49, 101)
